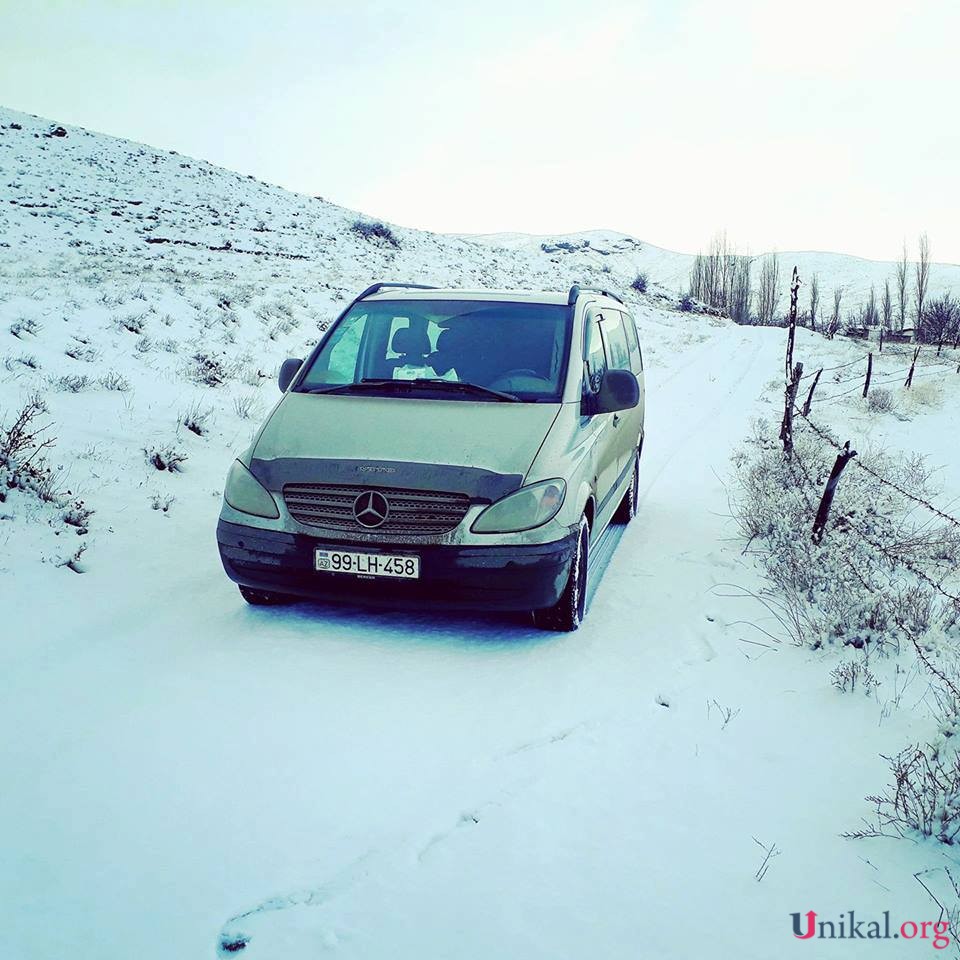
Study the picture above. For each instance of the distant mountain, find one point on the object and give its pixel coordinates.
(672, 270)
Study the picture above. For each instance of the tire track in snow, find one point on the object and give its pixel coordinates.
(711, 404)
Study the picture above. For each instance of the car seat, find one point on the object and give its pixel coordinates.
(412, 344)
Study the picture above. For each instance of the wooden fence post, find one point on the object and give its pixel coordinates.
(881, 340)
(866, 384)
(813, 386)
(794, 373)
(913, 363)
(792, 334)
(823, 511)
(790, 399)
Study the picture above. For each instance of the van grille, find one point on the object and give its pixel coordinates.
(411, 511)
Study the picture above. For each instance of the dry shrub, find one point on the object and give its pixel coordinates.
(22, 445)
(208, 370)
(924, 797)
(881, 400)
(166, 458)
(856, 588)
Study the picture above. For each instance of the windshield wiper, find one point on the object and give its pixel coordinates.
(464, 386)
(370, 384)
(363, 386)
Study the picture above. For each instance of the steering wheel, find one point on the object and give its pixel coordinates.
(505, 380)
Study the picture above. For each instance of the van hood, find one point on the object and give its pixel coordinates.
(480, 448)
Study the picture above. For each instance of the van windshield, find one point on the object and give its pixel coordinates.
(495, 350)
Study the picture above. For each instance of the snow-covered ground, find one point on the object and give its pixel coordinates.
(185, 776)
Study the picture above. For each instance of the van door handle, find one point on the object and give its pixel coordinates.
(616, 419)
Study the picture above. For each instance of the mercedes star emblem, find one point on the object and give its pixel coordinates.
(371, 509)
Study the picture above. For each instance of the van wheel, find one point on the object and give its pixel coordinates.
(567, 613)
(627, 509)
(261, 598)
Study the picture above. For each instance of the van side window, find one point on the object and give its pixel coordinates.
(633, 341)
(595, 360)
(615, 338)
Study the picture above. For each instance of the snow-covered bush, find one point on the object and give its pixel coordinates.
(165, 458)
(72, 383)
(881, 400)
(133, 323)
(375, 230)
(207, 370)
(639, 283)
(858, 587)
(78, 515)
(24, 360)
(247, 407)
(196, 418)
(112, 380)
(852, 674)
(924, 796)
(881, 580)
(25, 326)
(81, 350)
(22, 463)
(925, 394)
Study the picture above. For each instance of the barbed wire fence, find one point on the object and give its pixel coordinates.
(886, 570)
(819, 496)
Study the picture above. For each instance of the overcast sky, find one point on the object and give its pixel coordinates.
(826, 125)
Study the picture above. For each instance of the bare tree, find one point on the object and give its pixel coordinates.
(869, 315)
(886, 307)
(698, 278)
(707, 276)
(738, 302)
(941, 321)
(769, 290)
(902, 264)
(720, 278)
(814, 300)
(834, 325)
(921, 280)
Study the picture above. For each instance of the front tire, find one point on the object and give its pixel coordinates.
(262, 598)
(568, 612)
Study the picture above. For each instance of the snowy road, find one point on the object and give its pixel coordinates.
(379, 784)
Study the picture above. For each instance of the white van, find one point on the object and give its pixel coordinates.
(445, 448)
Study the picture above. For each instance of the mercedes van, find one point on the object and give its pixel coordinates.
(444, 448)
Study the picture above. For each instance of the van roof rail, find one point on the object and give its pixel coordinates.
(576, 290)
(377, 287)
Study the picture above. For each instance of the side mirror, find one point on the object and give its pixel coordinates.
(619, 390)
(288, 370)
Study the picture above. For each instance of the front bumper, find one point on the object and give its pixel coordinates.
(519, 577)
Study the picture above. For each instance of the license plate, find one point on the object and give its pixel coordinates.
(401, 566)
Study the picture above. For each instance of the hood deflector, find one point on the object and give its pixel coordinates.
(477, 483)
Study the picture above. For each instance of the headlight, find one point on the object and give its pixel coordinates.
(244, 493)
(529, 507)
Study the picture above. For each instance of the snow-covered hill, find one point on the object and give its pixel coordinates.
(187, 777)
(80, 197)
